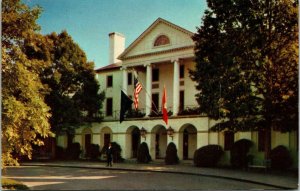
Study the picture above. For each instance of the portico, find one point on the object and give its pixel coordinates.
(167, 69)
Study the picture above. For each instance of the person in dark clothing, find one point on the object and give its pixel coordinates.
(109, 155)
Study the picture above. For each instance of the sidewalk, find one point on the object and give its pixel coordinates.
(284, 180)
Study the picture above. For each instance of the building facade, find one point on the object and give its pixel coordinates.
(160, 57)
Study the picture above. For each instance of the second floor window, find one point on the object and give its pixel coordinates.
(155, 75)
(109, 81)
(129, 76)
(109, 107)
(181, 71)
(181, 100)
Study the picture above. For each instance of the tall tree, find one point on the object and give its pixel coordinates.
(247, 65)
(25, 114)
(74, 97)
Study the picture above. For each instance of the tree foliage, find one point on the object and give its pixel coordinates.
(247, 64)
(74, 96)
(24, 113)
(47, 82)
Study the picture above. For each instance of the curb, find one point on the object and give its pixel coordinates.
(165, 171)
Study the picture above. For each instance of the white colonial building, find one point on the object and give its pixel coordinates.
(161, 56)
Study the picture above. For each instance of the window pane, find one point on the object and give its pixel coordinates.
(129, 78)
(155, 100)
(155, 75)
(181, 101)
(109, 81)
(161, 40)
(181, 71)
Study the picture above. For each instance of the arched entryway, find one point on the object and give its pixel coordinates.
(160, 141)
(106, 136)
(86, 141)
(133, 140)
(188, 141)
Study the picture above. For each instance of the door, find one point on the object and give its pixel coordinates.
(136, 139)
(87, 144)
(106, 139)
(157, 146)
(185, 144)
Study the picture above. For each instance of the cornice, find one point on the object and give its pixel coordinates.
(159, 52)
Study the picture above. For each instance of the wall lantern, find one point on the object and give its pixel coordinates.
(143, 132)
(170, 132)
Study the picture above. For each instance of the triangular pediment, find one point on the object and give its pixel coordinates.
(145, 43)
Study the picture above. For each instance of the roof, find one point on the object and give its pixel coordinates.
(109, 67)
(150, 28)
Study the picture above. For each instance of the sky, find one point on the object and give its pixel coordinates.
(90, 21)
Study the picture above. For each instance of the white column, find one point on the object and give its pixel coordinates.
(148, 89)
(125, 79)
(176, 87)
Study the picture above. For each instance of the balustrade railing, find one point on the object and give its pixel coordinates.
(140, 113)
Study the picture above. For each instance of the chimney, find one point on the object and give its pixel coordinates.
(116, 46)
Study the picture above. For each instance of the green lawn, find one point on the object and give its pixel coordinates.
(12, 184)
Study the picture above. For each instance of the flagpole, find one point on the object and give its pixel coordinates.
(147, 93)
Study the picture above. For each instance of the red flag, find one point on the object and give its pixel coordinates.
(164, 106)
(137, 89)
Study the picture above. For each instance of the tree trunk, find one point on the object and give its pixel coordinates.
(267, 142)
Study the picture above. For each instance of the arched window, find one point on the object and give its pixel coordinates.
(161, 40)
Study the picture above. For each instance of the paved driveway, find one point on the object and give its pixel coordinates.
(61, 178)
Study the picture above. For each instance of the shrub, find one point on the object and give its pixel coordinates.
(171, 154)
(280, 158)
(239, 153)
(143, 155)
(208, 156)
(73, 151)
(11, 184)
(94, 152)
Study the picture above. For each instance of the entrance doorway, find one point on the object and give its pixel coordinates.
(106, 139)
(135, 141)
(185, 144)
(159, 144)
(87, 144)
(187, 141)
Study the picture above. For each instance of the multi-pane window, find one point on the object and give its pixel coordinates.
(181, 71)
(109, 81)
(228, 140)
(155, 75)
(181, 100)
(109, 107)
(155, 102)
(129, 78)
(161, 40)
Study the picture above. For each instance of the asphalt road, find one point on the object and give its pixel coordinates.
(61, 178)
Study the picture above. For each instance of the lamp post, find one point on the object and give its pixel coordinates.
(170, 132)
(143, 133)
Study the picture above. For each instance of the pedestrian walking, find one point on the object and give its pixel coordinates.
(109, 155)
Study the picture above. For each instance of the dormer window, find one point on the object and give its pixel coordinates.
(161, 40)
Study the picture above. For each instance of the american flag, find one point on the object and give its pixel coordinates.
(137, 89)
